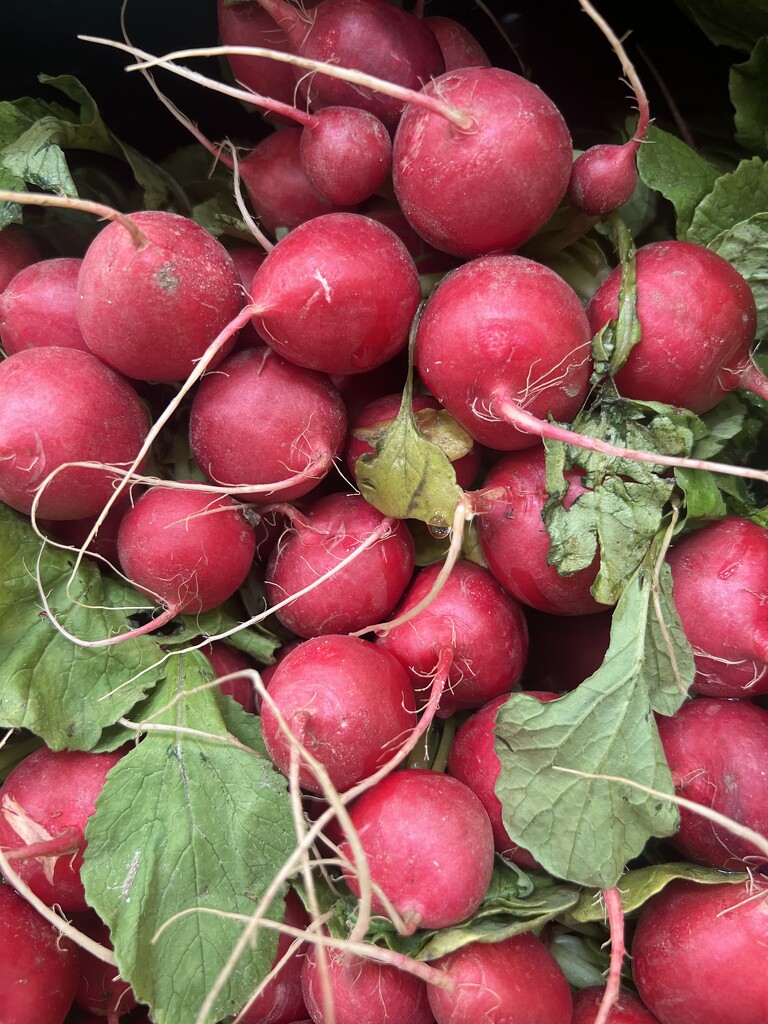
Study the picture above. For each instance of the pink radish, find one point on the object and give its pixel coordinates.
(474, 623)
(318, 297)
(260, 420)
(39, 970)
(728, 775)
(697, 317)
(346, 154)
(60, 405)
(515, 981)
(17, 250)
(39, 307)
(459, 47)
(45, 804)
(720, 579)
(479, 348)
(151, 309)
(226, 661)
(318, 538)
(349, 703)
(429, 846)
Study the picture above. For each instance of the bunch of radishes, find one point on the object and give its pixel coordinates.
(286, 370)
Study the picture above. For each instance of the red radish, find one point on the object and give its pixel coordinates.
(459, 47)
(698, 954)
(629, 1009)
(720, 579)
(39, 970)
(39, 307)
(45, 804)
(319, 297)
(57, 406)
(698, 319)
(515, 541)
(321, 536)
(429, 846)
(346, 154)
(363, 991)
(282, 1001)
(17, 250)
(374, 420)
(151, 310)
(515, 981)
(473, 761)
(187, 549)
(473, 620)
(728, 775)
(278, 187)
(479, 348)
(260, 420)
(101, 990)
(492, 183)
(585, 637)
(226, 661)
(372, 36)
(349, 703)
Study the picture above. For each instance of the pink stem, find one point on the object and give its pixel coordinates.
(149, 627)
(613, 983)
(752, 379)
(67, 841)
(530, 424)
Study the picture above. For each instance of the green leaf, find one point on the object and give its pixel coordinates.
(738, 25)
(64, 693)
(734, 197)
(748, 83)
(669, 166)
(186, 823)
(745, 246)
(638, 886)
(581, 829)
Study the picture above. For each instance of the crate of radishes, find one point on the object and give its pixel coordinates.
(383, 525)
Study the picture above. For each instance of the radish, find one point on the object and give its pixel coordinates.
(39, 970)
(720, 580)
(290, 442)
(516, 543)
(629, 1009)
(728, 775)
(458, 46)
(349, 703)
(57, 406)
(481, 350)
(364, 992)
(473, 761)
(346, 154)
(226, 661)
(472, 621)
(429, 846)
(101, 991)
(186, 549)
(364, 592)
(697, 317)
(698, 954)
(45, 804)
(318, 297)
(372, 36)
(515, 981)
(17, 250)
(150, 309)
(39, 307)
(75, 532)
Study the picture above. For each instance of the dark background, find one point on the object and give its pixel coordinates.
(565, 52)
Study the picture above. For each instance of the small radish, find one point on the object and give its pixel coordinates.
(259, 420)
(319, 537)
(346, 154)
(150, 309)
(459, 47)
(39, 307)
(319, 300)
(429, 846)
(349, 703)
(59, 405)
(728, 775)
(720, 581)
(45, 804)
(39, 970)
(472, 621)
(514, 981)
(17, 250)
(226, 661)
(185, 548)
(697, 318)
(698, 954)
